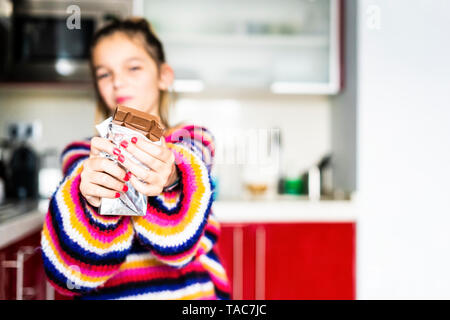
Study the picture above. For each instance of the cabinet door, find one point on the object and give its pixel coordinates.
(225, 248)
(22, 274)
(259, 46)
(309, 261)
(289, 260)
(237, 250)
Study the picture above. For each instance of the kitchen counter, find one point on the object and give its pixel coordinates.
(19, 226)
(285, 209)
(227, 211)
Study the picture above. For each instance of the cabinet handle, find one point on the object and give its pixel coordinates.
(260, 263)
(2, 277)
(22, 255)
(237, 263)
(49, 292)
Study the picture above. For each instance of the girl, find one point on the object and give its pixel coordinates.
(171, 252)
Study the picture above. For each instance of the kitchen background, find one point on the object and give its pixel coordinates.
(365, 82)
(237, 72)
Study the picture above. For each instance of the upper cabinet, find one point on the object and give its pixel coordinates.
(288, 46)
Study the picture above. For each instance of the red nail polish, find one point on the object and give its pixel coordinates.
(117, 195)
(124, 144)
(116, 151)
(125, 188)
(134, 139)
(121, 158)
(127, 177)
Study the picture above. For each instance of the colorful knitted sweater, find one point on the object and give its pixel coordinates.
(170, 253)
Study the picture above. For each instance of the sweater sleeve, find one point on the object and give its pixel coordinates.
(81, 249)
(175, 220)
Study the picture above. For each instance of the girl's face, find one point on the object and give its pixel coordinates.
(126, 74)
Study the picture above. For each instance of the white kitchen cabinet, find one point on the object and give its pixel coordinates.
(288, 46)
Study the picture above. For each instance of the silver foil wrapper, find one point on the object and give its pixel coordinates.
(132, 202)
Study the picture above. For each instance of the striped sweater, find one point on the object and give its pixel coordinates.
(170, 253)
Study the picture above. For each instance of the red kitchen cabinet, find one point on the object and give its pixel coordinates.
(22, 274)
(290, 260)
(237, 250)
(309, 261)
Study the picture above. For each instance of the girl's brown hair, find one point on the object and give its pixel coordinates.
(140, 28)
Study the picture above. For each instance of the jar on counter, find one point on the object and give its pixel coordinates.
(50, 174)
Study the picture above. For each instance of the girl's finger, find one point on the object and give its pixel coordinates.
(94, 201)
(99, 144)
(140, 172)
(94, 190)
(107, 181)
(149, 190)
(107, 165)
(148, 159)
(159, 152)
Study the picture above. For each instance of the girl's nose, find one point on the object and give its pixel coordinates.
(118, 81)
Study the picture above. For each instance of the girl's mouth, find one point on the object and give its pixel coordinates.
(122, 99)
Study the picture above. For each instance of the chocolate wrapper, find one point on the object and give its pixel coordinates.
(132, 202)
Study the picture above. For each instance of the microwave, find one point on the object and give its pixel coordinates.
(49, 40)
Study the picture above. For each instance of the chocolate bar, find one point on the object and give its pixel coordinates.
(142, 122)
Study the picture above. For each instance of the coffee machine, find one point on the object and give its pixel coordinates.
(22, 166)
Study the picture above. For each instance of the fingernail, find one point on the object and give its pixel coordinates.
(124, 144)
(134, 139)
(116, 151)
(117, 195)
(121, 158)
(127, 177)
(125, 188)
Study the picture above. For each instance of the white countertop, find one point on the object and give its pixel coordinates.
(238, 211)
(18, 227)
(288, 210)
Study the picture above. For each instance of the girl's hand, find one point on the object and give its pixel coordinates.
(101, 177)
(159, 159)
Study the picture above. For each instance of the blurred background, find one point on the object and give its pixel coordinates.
(332, 128)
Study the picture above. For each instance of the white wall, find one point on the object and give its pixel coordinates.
(404, 150)
(65, 115)
(304, 123)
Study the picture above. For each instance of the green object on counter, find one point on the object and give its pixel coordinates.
(294, 186)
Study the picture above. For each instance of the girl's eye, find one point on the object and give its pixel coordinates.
(102, 76)
(135, 68)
